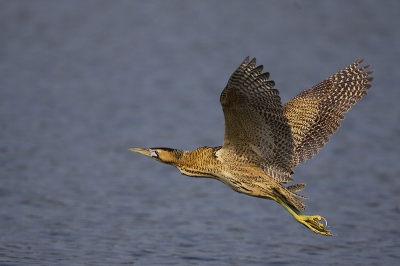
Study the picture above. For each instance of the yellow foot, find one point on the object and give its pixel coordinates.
(312, 223)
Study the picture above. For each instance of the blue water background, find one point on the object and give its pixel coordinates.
(82, 81)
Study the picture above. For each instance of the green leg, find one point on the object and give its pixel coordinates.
(309, 221)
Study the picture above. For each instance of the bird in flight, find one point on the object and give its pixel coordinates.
(264, 140)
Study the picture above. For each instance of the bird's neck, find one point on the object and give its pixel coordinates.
(201, 162)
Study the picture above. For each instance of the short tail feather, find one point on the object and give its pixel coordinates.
(292, 197)
(295, 188)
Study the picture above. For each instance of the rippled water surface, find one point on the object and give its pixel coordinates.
(82, 81)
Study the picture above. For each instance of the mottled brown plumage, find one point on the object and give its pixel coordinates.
(265, 140)
(315, 114)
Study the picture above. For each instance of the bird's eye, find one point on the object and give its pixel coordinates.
(153, 153)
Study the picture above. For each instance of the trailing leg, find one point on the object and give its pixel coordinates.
(310, 222)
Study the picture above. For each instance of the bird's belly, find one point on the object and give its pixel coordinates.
(246, 183)
(238, 184)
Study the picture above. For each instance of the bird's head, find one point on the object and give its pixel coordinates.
(163, 155)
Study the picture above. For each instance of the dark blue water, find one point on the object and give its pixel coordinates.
(82, 81)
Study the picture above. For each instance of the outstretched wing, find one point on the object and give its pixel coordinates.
(256, 129)
(315, 114)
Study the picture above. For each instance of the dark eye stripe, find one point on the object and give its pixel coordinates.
(162, 148)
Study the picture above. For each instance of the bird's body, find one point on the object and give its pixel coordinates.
(264, 140)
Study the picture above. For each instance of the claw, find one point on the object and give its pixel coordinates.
(323, 218)
(311, 222)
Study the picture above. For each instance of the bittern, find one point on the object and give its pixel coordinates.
(264, 140)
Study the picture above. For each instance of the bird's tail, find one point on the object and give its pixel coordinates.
(291, 196)
(295, 188)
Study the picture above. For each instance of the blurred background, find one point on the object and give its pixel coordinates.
(82, 81)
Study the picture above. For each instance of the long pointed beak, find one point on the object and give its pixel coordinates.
(141, 151)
